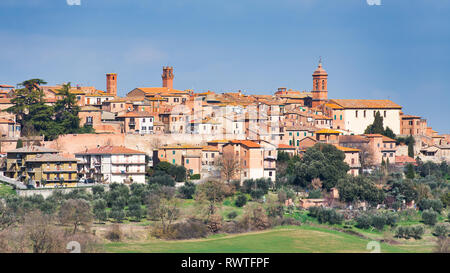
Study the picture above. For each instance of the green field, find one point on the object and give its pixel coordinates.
(6, 190)
(292, 239)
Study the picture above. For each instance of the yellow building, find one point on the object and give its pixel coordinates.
(38, 164)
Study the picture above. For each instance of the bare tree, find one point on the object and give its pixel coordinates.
(76, 212)
(39, 231)
(229, 166)
(212, 193)
(366, 156)
(164, 206)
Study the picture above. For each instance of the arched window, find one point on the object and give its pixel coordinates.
(323, 84)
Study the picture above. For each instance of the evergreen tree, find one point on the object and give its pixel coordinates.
(19, 143)
(410, 171)
(411, 149)
(377, 126)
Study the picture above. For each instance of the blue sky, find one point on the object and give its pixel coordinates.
(398, 51)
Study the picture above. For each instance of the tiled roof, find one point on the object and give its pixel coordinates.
(33, 149)
(5, 100)
(327, 131)
(284, 146)
(160, 90)
(334, 106)
(210, 148)
(404, 159)
(51, 158)
(111, 150)
(4, 120)
(366, 104)
(346, 149)
(353, 139)
(181, 146)
(247, 143)
(136, 114)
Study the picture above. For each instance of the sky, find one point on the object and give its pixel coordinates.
(398, 50)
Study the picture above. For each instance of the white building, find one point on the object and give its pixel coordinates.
(111, 164)
(358, 114)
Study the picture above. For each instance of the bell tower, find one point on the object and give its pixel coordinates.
(320, 81)
(167, 77)
(111, 84)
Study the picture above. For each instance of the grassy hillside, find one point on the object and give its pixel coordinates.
(303, 239)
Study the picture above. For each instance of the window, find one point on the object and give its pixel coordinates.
(173, 161)
(341, 117)
(187, 161)
(270, 173)
(364, 113)
(298, 133)
(323, 84)
(384, 114)
(334, 117)
(356, 113)
(173, 152)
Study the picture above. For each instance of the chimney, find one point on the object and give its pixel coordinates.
(111, 84)
(167, 77)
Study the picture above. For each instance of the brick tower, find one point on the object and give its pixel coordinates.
(111, 84)
(167, 77)
(319, 91)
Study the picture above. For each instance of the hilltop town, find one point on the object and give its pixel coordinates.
(127, 135)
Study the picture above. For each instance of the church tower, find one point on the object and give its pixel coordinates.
(111, 84)
(167, 77)
(319, 91)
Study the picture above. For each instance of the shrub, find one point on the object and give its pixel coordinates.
(324, 215)
(189, 229)
(441, 230)
(315, 194)
(416, 232)
(254, 218)
(195, 176)
(391, 219)
(407, 232)
(215, 223)
(232, 214)
(163, 180)
(363, 221)
(187, 191)
(114, 233)
(99, 209)
(426, 204)
(378, 221)
(429, 217)
(240, 201)
(275, 210)
(257, 194)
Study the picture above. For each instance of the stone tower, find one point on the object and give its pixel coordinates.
(167, 77)
(319, 91)
(111, 84)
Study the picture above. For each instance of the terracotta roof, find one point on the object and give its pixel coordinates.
(353, 139)
(327, 131)
(366, 104)
(159, 90)
(346, 149)
(5, 100)
(6, 86)
(284, 146)
(247, 143)
(136, 114)
(4, 120)
(333, 106)
(210, 148)
(404, 159)
(111, 150)
(181, 146)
